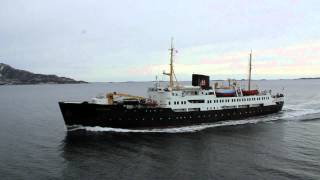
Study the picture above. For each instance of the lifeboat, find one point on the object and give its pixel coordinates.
(249, 92)
(225, 92)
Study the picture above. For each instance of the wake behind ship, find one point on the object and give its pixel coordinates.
(174, 105)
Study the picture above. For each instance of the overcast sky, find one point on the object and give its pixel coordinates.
(128, 40)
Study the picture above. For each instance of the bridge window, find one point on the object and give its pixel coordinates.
(169, 103)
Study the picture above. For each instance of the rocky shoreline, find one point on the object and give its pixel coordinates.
(12, 76)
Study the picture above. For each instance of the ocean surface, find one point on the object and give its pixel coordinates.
(35, 144)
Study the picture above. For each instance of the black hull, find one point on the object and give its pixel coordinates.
(117, 116)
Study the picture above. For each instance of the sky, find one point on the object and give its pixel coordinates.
(128, 40)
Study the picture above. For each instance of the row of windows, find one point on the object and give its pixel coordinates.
(177, 102)
(237, 100)
(221, 100)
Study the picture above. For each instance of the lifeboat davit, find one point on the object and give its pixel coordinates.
(249, 92)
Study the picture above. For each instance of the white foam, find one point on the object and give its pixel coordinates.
(185, 129)
(292, 111)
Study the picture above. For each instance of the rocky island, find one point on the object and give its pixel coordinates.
(11, 76)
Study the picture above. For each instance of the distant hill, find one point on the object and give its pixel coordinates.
(10, 75)
(310, 78)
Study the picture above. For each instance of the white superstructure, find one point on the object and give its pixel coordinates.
(194, 98)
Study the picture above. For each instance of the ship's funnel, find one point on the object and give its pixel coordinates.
(201, 80)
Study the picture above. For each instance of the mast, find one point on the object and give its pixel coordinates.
(171, 65)
(171, 73)
(250, 67)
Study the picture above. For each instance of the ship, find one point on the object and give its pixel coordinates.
(174, 105)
